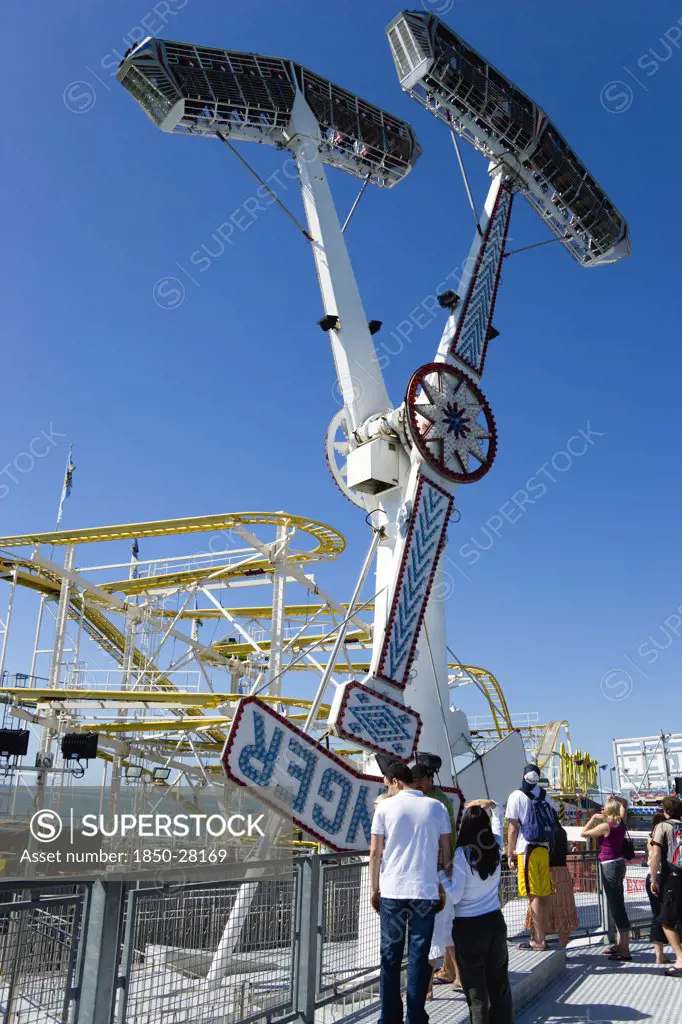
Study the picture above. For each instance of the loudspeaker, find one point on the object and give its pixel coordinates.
(678, 785)
(431, 761)
(384, 760)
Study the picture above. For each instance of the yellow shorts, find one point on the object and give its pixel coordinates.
(535, 877)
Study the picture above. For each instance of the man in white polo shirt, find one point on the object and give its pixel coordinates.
(409, 833)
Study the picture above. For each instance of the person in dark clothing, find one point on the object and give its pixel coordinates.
(656, 934)
(479, 931)
(610, 829)
(666, 845)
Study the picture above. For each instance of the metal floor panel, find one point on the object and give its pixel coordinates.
(595, 991)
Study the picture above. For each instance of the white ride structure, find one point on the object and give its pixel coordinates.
(400, 464)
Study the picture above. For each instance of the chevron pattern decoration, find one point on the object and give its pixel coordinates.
(471, 337)
(423, 544)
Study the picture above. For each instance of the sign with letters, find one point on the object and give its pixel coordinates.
(363, 716)
(295, 775)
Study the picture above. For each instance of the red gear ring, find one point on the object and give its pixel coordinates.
(450, 422)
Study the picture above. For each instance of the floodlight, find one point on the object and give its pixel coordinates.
(133, 771)
(160, 774)
(14, 742)
(79, 746)
(448, 299)
(330, 322)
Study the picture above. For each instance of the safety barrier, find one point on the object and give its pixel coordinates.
(40, 942)
(294, 941)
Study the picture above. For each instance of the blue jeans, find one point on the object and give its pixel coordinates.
(415, 919)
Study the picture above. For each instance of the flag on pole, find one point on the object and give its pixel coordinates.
(68, 483)
(135, 551)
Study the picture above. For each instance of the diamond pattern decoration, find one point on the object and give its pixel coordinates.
(425, 538)
(470, 341)
(375, 721)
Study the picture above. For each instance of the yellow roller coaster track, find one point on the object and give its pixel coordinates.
(35, 695)
(548, 742)
(330, 543)
(489, 686)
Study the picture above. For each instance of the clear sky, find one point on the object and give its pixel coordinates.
(221, 402)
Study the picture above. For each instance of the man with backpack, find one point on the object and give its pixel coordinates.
(532, 818)
(667, 842)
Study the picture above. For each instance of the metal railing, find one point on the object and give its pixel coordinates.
(40, 943)
(298, 942)
(173, 968)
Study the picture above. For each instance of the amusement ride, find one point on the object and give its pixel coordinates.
(199, 687)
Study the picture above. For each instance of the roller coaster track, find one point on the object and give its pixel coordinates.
(328, 544)
(548, 742)
(489, 686)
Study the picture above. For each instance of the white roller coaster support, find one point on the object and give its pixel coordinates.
(6, 624)
(279, 580)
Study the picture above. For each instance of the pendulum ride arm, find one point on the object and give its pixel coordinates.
(361, 383)
(451, 426)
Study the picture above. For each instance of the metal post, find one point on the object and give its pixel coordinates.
(277, 622)
(101, 956)
(315, 706)
(6, 625)
(54, 677)
(62, 619)
(308, 939)
(666, 760)
(36, 642)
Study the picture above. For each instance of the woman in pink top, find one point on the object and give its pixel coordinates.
(609, 827)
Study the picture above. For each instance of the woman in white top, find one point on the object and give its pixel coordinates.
(480, 932)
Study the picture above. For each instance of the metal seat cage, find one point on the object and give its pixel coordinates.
(461, 88)
(199, 90)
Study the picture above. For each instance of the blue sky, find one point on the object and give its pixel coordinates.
(222, 402)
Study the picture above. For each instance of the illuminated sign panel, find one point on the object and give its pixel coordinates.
(291, 773)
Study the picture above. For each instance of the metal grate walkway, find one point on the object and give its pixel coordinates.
(529, 973)
(595, 991)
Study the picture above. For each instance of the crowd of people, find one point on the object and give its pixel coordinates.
(436, 888)
(663, 882)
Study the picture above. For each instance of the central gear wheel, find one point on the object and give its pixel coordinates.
(450, 422)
